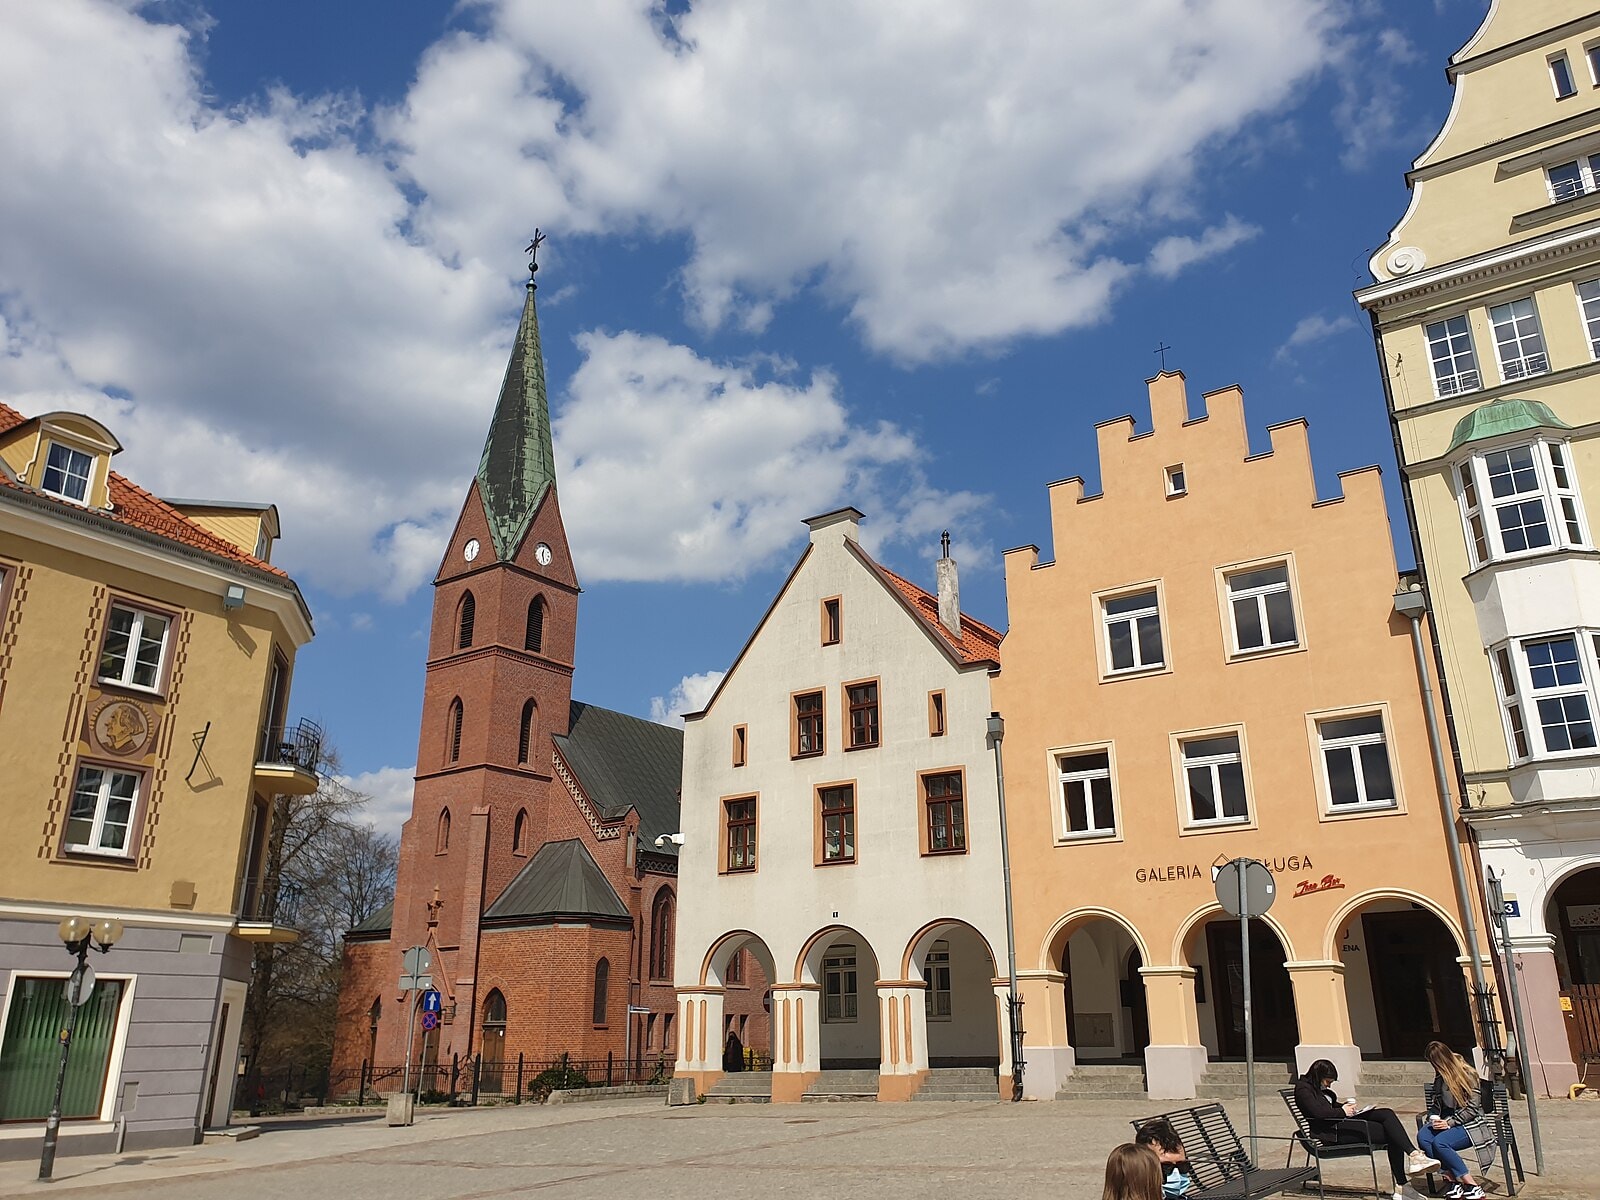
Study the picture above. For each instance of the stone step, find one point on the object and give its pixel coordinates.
(843, 1085)
(1120, 1081)
(754, 1087)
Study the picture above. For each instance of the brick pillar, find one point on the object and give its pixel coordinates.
(902, 1038)
(466, 984)
(796, 1038)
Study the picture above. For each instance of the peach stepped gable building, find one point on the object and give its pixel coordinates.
(146, 651)
(1212, 667)
(530, 866)
(1486, 310)
(841, 829)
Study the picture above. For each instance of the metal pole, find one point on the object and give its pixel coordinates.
(1441, 778)
(1497, 899)
(411, 1018)
(1249, 1024)
(997, 732)
(52, 1125)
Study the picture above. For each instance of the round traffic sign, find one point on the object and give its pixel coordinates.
(1259, 889)
(79, 986)
(430, 1021)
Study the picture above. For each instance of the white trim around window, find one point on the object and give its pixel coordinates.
(1548, 699)
(1587, 293)
(1451, 356)
(1261, 607)
(103, 811)
(1211, 772)
(134, 651)
(68, 472)
(1087, 803)
(119, 1045)
(1518, 339)
(1355, 761)
(1132, 639)
(1519, 500)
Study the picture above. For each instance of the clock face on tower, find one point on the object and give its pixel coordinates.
(470, 550)
(541, 554)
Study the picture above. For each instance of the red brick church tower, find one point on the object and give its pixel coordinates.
(529, 866)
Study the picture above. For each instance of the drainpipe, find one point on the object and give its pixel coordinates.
(1412, 603)
(997, 733)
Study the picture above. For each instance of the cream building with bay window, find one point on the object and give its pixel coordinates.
(146, 649)
(1486, 309)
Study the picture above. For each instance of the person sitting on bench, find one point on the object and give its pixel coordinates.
(1177, 1175)
(1333, 1123)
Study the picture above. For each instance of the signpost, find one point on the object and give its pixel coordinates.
(414, 977)
(1245, 889)
(1501, 908)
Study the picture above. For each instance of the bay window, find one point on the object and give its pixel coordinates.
(1520, 500)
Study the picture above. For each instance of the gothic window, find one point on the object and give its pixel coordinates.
(373, 1014)
(530, 718)
(456, 714)
(466, 615)
(602, 980)
(493, 1041)
(519, 833)
(534, 639)
(661, 936)
(443, 841)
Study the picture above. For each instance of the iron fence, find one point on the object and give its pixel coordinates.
(474, 1079)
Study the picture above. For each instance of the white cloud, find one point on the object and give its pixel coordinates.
(691, 694)
(674, 466)
(1171, 255)
(389, 796)
(950, 174)
(1315, 328)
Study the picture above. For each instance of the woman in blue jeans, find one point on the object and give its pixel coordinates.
(1456, 1122)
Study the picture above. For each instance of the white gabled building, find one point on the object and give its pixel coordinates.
(841, 828)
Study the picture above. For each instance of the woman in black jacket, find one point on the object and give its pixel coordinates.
(1333, 1122)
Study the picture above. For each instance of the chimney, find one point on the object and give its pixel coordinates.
(949, 588)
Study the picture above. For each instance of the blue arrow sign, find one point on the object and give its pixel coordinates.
(432, 1002)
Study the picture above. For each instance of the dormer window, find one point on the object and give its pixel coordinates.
(67, 473)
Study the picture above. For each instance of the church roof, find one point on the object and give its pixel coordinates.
(626, 762)
(1507, 415)
(561, 880)
(518, 464)
(381, 921)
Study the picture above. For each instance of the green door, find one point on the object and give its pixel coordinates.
(30, 1049)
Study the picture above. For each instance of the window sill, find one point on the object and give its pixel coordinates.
(1266, 652)
(863, 746)
(1135, 673)
(1080, 837)
(1350, 812)
(137, 689)
(86, 857)
(737, 871)
(836, 862)
(1554, 211)
(806, 754)
(953, 851)
(1532, 557)
(1229, 825)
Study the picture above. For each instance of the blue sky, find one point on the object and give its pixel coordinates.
(901, 255)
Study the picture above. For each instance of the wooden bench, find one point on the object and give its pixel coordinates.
(1222, 1168)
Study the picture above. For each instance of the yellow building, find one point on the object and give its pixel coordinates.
(1486, 308)
(146, 648)
(1216, 664)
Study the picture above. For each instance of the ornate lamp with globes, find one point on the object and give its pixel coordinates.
(78, 934)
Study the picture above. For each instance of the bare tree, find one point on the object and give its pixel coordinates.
(326, 870)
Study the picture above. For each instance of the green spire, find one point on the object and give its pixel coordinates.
(518, 463)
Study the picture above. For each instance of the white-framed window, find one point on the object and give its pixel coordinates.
(839, 984)
(1455, 363)
(1521, 500)
(1177, 485)
(1133, 631)
(1560, 687)
(135, 645)
(1561, 77)
(1213, 772)
(937, 976)
(1518, 341)
(1261, 606)
(1355, 762)
(1573, 178)
(1589, 306)
(67, 473)
(101, 814)
(1511, 702)
(1592, 55)
(1087, 800)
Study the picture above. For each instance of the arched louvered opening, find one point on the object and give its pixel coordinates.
(602, 983)
(519, 833)
(527, 730)
(534, 640)
(442, 842)
(661, 935)
(453, 742)
(466, 617)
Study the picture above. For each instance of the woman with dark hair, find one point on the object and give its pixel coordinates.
(1343, 1123)
(1455, 1122)
(1133, 1172)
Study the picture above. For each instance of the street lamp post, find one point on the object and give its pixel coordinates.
(997, 733)
(77, 934)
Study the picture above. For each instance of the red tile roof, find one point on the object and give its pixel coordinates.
(138, 509)
(977, 643)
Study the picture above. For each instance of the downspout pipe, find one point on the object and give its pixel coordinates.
(1412, 603)
(996, 734)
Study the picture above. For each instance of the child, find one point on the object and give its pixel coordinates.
(1160, 1136)
(1133, 1172)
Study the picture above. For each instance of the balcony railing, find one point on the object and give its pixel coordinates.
(297, 745)
(1455, 385)
(1521, 368)
(260, 901)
